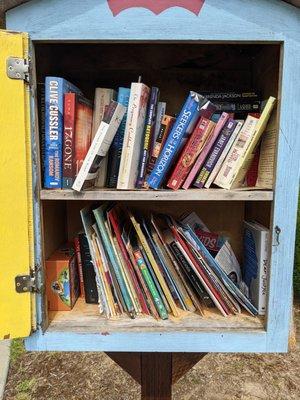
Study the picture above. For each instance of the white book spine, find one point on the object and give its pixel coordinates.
(262, 283)
(133, 136)
(100, 145)
(219, 163)
(237, 150)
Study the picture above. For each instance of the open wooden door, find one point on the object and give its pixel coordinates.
(16, 225)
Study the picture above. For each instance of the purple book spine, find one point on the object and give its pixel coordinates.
(215, 153)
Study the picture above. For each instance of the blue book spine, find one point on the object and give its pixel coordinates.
(55, 88)
(115, 151)
(182, 127)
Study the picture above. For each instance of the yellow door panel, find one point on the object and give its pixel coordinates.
(16, 227)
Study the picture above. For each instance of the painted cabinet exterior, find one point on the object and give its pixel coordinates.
(210, 21)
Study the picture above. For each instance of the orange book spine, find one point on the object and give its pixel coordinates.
(188, 154)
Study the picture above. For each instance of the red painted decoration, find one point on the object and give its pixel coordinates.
(156, 6)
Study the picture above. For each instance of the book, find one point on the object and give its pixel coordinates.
(256, 263)
(88, 272)
(252, 173)
(205, 150)
(194, 107)
(78, 112)
(79, 265)
(164, 129)
(148, 136)
(243, 162)
(115, 151)
(55, 88)
(133, 137)
(215, 152)
(62, 283)
(235, 102)
(103, 97)
(100, 145)
(190, 152)
(224, 153)
(41, 122)
(160, 112)
(226, 173)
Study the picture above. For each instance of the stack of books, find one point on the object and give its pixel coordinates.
(127, 140)
(156, 265)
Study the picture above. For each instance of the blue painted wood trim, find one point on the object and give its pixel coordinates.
(150, 342)
(285, 201)
(218, 20)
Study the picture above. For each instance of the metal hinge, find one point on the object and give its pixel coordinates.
(17, 68)
(25, 283)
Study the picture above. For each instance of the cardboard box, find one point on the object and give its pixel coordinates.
(62, 283)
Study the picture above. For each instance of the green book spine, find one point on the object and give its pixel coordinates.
(151, 286)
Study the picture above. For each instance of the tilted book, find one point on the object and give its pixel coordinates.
(194, 107)
(100, 146)
(133, 138)
(256, 263)
(78, 114)
(160, 112)
(224, 153)
(115, 151)
(227, 171)
(246, 158)
(190, 152)
(55, 88)
(215, 152)
(103, 97)
(205, 150)
(148, 136)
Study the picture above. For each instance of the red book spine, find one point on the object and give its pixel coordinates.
(69, 141)
(252, 173)
(79, 264)
(188, 155)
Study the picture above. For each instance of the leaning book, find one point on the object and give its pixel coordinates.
(100, 146)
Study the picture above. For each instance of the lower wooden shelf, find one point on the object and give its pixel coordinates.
(163, 195)
(85, 318)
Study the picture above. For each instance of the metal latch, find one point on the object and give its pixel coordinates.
(25, 283)
(17, 68)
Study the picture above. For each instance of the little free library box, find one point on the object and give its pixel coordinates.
(212, 46)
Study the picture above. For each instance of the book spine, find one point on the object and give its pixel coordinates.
(88, 272)
(244, 162)
(69, 141)
(188, 155)
(150, 284)
(148, 136)
(99, 146)
(208, 144)
(227, 171)
(263, 273)
(53, 133)
(79, 264)
(182, 128)
(115, 151)
(165, 127)
(215, 152)
(160, 112)
(135, 123)
(220, 160)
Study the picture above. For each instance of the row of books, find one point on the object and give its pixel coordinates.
(132, 143)
(129, 263)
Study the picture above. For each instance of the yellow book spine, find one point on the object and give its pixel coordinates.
(155, 267)
(245, 160)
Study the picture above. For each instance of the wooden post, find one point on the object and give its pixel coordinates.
(156, 372)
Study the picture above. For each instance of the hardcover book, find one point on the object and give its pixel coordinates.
(194, 107)
(55, 88)
(78, 114)
(133, 137)
(115, 151)
(205, 150)
(100, 146)
(215, 152)
(148, 136)
(79, 265)
(103, 97)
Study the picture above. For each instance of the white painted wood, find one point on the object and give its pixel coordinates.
(163, 195)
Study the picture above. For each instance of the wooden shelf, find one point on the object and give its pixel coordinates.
(85, 318)
(161, 195)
